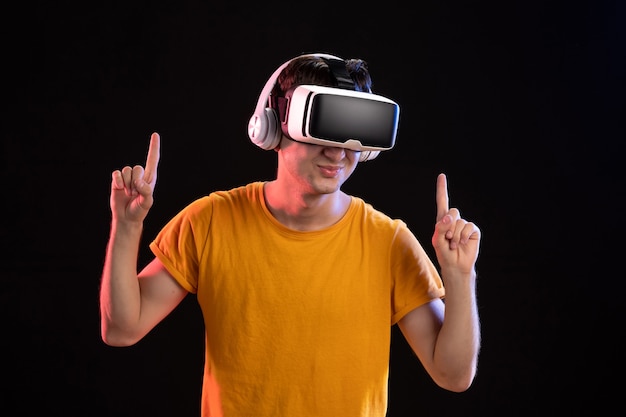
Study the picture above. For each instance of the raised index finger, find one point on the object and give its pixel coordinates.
(442, 196)
(153, 158)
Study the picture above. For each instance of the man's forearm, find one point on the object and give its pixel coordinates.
(119, 291)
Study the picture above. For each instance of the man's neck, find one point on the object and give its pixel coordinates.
(305, 211)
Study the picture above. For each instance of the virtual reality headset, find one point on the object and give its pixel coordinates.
(338, 117)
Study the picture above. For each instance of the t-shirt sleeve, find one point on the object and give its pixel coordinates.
(416, 280)
(180, 243)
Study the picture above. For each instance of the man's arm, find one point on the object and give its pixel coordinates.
(132, 304)
(446, 337)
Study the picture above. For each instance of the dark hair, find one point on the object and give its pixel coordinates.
(313, 70)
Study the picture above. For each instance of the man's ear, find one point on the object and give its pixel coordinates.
(282, 138)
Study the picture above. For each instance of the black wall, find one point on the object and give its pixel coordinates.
(521, 103)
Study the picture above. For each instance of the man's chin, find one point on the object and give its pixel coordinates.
(327, 186)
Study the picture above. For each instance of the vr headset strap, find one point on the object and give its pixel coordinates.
(340, 73)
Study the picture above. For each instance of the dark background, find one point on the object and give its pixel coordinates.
(521, 103)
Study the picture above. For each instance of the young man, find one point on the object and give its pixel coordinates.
(299, 283)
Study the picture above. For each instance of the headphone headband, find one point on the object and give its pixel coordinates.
(263, 101)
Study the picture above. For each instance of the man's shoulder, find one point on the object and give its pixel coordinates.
(234, 195)
(247, 195)
(375, 215)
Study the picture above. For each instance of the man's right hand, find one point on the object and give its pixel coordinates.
(132, 188)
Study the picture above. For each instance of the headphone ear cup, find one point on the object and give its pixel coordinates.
(274, 132)
(263, 129)
(368, 155)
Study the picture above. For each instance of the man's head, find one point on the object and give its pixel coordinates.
(325, 100)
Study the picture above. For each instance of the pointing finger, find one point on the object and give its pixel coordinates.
(152, 160)
(442, 196)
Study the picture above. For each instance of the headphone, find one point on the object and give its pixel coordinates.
(264, 126)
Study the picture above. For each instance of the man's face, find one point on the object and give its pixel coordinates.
(315, 169)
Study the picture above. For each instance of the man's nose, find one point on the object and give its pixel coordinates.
(334, 152)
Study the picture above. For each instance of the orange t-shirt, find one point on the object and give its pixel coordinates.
(297, 323)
